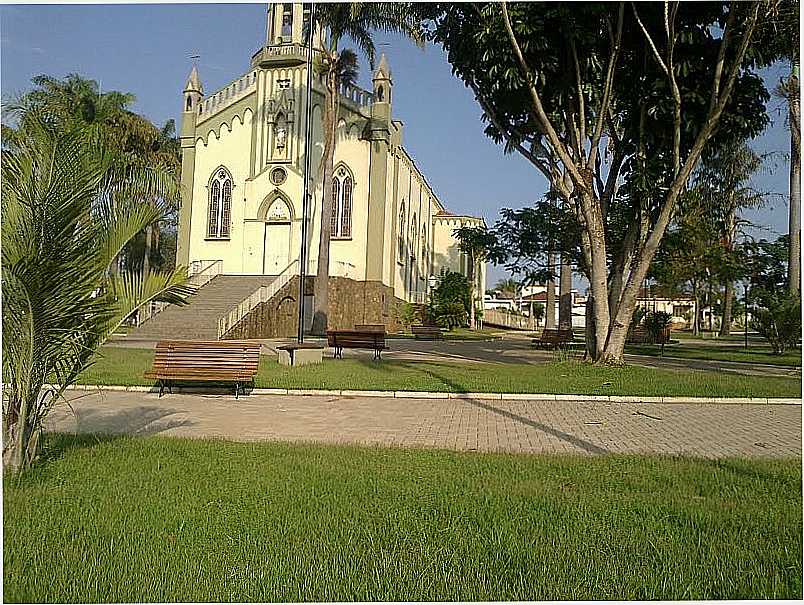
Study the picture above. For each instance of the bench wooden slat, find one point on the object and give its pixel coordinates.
(420, 331)
(554, 337)
(204, 361)
(357, 339)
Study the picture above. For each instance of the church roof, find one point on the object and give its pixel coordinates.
(383, 70)
(193, 81)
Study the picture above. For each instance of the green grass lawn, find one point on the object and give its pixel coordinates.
(161, 519)
(689, 350)
(125, 366)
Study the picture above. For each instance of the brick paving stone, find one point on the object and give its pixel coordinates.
(579, 427)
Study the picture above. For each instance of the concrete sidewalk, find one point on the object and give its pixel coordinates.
(708, 430)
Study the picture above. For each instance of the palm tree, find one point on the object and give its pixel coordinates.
(105, 119)
(720, 189)
(337, 67)
(508, 286)
(71, 201)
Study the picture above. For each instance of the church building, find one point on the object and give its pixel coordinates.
(243, 157)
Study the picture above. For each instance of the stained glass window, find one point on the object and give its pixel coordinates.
(220, 205)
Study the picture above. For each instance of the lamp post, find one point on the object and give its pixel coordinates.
(306, 191)
(745, 322)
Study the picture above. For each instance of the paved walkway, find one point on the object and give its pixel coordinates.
(707, 430)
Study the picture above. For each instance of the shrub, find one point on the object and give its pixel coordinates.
(779, 322)
(656, 323)
(409, 314)
(450, 300)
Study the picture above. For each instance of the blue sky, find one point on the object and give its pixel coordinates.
(144, 49)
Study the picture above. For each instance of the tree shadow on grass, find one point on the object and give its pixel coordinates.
(57, 445)
(753, 472)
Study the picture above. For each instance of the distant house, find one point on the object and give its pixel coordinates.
(680, 306)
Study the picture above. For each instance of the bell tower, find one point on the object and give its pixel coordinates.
(193, 94)
(285, 23)
(381, 103)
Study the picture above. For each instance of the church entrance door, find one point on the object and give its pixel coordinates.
(277, 248)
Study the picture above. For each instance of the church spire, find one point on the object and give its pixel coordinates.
(194, 82)
(383, 71)
(382, 82)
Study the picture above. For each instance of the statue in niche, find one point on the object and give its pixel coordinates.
(281, 132)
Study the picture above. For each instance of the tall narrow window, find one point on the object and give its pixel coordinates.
(346, 208)
(220, 205)
(287, 20)
(336, 190)
(400, 234)
(413, 236)
(424, 246)
(306, 22)
(342, 203)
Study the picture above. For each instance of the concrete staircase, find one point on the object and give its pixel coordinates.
(199, 319)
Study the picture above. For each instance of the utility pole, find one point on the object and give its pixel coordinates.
(306, 192)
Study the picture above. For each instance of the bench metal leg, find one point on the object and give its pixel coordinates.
(338, 352)
(161, 387)
(377, 355)
(237, 389)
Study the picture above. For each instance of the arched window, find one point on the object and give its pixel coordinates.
(401, 233)
(413, 235)
(424, 244)
(287, 19)
(220, 205)
(341, 222)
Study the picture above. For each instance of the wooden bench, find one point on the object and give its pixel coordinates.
(552, 338)
(640, 335)
(370, 328)
(204, 361)
(356, 339)
(426, 332)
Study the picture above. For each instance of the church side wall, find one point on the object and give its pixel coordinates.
(230, 149)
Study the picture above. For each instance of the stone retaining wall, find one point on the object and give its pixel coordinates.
(350, 303)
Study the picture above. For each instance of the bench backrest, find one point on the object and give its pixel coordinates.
(369, 328)
(640, 334)
(355, 338)
(214, 357)
(556, 334)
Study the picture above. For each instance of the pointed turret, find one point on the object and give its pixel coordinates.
(382, 82)
(194, 82)
(193, 97)
(383, 71)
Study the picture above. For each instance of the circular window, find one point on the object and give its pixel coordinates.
(278, 176)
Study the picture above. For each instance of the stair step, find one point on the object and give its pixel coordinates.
(198, 320)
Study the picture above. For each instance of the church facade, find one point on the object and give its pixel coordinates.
(243, 156)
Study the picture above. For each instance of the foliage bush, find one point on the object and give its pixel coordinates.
(779, 322)
(656, 322)
(450, 300)
(409, 314)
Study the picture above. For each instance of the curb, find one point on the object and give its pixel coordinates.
(459, 396)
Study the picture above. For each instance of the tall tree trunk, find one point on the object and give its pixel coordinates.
(589, 328)
(471, 278)
(550, 303)
(565, 295)
(728, 296)
(696, 312)
(321, 290)
(146, 259)
(728, 286)
(793, 100)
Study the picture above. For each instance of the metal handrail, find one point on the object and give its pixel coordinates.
(260, 295)
(200, 273)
